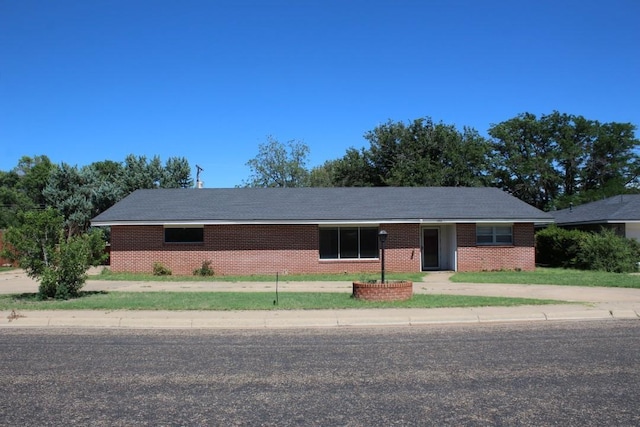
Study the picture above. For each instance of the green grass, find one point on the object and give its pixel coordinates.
(552, 276)
(7, 269)
(246, 301)
(139, 277)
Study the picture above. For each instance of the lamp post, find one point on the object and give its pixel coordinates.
(382, 235)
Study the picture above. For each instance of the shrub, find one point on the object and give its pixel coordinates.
(205, 270)
(47, 254)
(558, 247)
(606, 251)
(160, 270)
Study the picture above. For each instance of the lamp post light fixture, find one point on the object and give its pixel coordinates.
(382, 235)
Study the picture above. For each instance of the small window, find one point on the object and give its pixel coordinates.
(494, 235)
(348, 242)
(184, 235)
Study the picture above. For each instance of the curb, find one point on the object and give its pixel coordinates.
(300, 319)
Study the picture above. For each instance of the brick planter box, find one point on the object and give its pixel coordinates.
(388, 291)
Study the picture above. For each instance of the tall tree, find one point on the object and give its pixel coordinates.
(177, 173)
(354, 169)
(140, 173)
(279, 165)
(424, 153)
(69, 191)
(524, 153)
(34, 174)
(12, 199)
(558, 159)
(613, 161)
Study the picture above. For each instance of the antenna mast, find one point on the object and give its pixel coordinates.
(199, 184)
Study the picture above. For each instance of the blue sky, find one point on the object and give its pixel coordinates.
(84, 81)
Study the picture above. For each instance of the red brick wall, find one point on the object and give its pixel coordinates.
(254, 249)
(519, 256)
(267, 249)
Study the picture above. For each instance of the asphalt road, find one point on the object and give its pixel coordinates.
(566, 373)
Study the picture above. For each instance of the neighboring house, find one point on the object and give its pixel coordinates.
(619, 213)
(321, 230)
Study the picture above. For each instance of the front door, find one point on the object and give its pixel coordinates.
(430, 248)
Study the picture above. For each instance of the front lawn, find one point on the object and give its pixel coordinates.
(247, 301)
(552, 276)
(106, 274)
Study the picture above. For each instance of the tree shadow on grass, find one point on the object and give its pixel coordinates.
(34, 296)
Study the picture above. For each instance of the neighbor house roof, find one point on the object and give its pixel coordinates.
(622, 208)
(318, 206)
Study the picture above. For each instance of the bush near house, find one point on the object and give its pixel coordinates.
(602, 251)
(558, 247)
(606, 251)
(160, 270)
(205, 270)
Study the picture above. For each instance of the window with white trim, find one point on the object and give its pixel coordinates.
(494, 234)
(348, 242)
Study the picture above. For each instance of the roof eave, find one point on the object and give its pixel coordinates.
(107, 223)
(598, 221)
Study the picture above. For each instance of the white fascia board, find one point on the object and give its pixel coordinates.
(323, 222)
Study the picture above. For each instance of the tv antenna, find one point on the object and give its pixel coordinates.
(199, 183)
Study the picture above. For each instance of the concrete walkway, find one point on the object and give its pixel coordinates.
(584, 303)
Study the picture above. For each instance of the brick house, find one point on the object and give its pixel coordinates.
(618, 213)
(321, 230)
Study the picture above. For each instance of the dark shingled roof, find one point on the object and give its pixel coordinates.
(623, 208)
(319, 205)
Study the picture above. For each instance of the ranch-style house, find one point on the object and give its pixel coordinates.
(321, 230)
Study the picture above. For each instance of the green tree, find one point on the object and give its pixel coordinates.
(323, 175)
(140, 173)
(424, 153)
(279, 165)
(34, 174)
(177, 173)
(524, 154)
(12, 201)
(69, 191)
(46, 254)
(105, 180)
(613, 164)
(108, 169)
(355, 169)
(558, 159)
(21, 188)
